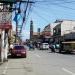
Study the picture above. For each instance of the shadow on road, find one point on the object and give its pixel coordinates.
(64, 53)
(14, 57)
(67, 53)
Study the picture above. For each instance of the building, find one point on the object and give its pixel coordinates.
(34, 36)
(46, 34)
(5, 29)
(31, 30)
(64, 28)
(52, 25)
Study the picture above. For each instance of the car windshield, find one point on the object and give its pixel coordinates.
(18, 47)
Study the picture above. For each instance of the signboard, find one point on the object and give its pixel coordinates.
(5, 17)
(47, 33)
(5, 26)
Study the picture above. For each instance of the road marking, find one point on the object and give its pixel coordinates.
(5, 69)
(37, 55)
(69, 72)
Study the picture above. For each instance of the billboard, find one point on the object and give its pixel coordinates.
(5, 20)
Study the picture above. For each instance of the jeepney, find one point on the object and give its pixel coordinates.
(68, 46)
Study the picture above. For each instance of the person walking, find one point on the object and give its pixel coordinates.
(52, 48)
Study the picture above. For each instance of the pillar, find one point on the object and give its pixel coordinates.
(2, 48)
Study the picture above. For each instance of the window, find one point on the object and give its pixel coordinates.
(73, 28)
(19, 47)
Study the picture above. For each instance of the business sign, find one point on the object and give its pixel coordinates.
(47, 33)
(5, 20)
(5, 26)
(5, 17)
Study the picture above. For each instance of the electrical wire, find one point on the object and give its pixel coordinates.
(59, 5)
(45, 12)
(44, 2)
(30, 10)
(24, 16)
(41, 8)
(40, 16)
(55, 1)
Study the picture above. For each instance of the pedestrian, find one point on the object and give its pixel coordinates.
(52, 48)
(11, 47)
(61, 47)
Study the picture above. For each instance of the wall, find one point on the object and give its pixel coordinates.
(67, 27)
(52, 26)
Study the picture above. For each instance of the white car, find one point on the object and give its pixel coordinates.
(44, 46)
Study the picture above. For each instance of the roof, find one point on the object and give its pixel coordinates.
(35, 33)
(69, 42)
(61, 20)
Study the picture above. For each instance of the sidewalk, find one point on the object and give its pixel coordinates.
(2, 67)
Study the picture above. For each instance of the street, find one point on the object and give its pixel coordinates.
(40, 62)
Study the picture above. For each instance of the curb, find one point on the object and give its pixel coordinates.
(1, 63)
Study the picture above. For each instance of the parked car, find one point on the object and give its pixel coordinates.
(52, 47)
(55, 46)
(44, 46)
(19, 50)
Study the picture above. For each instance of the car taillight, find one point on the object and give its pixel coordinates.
(23, 52)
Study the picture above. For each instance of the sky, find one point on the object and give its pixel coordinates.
(44, 12)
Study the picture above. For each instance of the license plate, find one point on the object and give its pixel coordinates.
(18, 54)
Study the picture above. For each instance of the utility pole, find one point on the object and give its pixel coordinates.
(18, 12)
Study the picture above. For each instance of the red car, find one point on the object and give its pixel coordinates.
(18, 50)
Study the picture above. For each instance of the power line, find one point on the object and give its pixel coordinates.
(60, 5)
(45, 12)
(57, 1)
(30, 10)
(24, 18)
(40, 16)
(51, 3)
(51, 9)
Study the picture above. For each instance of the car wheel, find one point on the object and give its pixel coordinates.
(59, 51)
(25, 56)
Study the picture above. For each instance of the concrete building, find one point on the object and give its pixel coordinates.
(34, 36)
(31, 30)
(5, 28)
(52, 25)
(63, 27)
(46, 34)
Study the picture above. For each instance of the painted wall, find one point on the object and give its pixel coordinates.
(52, 26)
(67, 27)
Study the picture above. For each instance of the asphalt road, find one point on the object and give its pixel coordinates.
(40, 62)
